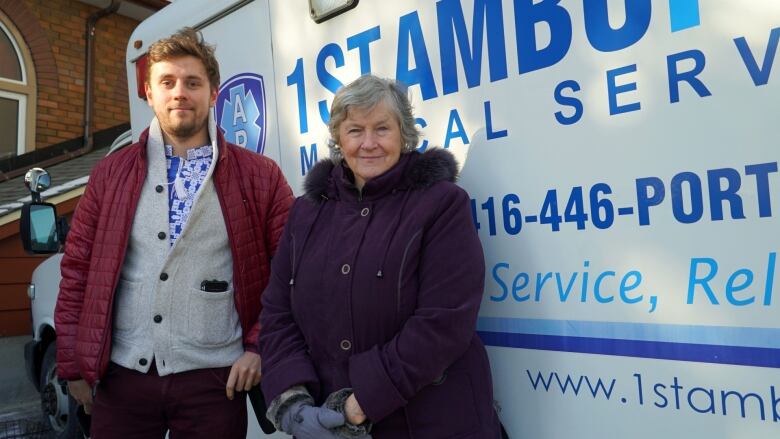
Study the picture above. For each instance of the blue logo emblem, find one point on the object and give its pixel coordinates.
(241, 111)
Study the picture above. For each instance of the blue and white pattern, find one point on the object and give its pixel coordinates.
(185, 176)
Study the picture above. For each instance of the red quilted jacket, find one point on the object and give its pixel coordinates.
(255, 200)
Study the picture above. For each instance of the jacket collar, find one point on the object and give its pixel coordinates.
(413, 171)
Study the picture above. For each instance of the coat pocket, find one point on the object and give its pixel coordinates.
(212, 319)
(446, 409)
(127, 306)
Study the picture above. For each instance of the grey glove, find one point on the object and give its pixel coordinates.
(305, 421)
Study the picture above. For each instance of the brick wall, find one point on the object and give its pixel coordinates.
(54, 31)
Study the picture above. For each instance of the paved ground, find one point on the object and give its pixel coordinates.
(20, 412)
(24, 424)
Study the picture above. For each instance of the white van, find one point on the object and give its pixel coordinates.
(622, 161)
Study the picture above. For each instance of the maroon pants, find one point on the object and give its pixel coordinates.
(130, 404)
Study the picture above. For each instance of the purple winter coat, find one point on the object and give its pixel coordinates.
(380, 293)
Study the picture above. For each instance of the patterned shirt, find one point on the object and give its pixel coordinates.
(185, 177)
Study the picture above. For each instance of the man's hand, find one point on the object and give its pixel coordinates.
(244, 374)
(82, 393)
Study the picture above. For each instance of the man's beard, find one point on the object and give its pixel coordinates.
(186, 129)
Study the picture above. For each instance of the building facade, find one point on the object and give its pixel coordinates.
(43, 87)
(42, 72)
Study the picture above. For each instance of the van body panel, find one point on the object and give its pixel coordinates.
(622, 163)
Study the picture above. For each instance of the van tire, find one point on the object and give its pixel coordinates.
(59, 409)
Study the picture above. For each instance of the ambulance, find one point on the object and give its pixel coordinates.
(622, 162)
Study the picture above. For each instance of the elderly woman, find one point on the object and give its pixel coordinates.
(368, 323)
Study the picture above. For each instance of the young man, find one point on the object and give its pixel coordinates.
(168, 253)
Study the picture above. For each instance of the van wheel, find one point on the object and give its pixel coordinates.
(59, 409)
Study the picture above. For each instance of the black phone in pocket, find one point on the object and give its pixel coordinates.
(214, 286)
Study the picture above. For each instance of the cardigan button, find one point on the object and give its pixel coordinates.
(161, 235)
(346, 345)
(163, 276)
(157, 318)
(142, 361)
(364, 212)
(345, 269)
(159, 188)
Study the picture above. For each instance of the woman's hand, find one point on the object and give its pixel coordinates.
(353, 412)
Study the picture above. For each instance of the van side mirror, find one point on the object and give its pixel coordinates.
(39, 223)
(39, 228)
(37, 180)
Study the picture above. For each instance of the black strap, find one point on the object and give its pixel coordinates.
(258, 404)
(504, 434)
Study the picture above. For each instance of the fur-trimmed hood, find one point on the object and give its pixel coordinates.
(422, 171)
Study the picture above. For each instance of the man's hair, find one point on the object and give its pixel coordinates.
(365, 93)
(185, 42)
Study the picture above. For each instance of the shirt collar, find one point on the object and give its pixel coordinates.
(192, 153)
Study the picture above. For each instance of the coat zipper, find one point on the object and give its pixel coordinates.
(401, 276)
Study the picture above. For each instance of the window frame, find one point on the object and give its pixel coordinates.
(25, 91)
(21, 125)
(19, 56)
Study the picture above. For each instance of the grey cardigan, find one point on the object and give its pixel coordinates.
(160, 311)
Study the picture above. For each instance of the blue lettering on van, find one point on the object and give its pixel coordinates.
(474, 47)
(613, 89)
(569, 101)
(410, 33)
(241, 111)
(605, 39)
(455, 129)
(527, 15)
(308, 158)
(296, 78)
(760, 76)
(487, 22)
(327, 80)
(588, 285)
(420, 122)
(728, 194)
(690, 76)
(361, 41)
(735, 287)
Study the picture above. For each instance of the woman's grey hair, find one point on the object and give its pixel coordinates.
(365, 93)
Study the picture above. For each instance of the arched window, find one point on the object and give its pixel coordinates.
(17, 93)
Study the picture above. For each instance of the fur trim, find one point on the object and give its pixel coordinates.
(432, 166)
(317, 180)
(337, 401)
(284, 402)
